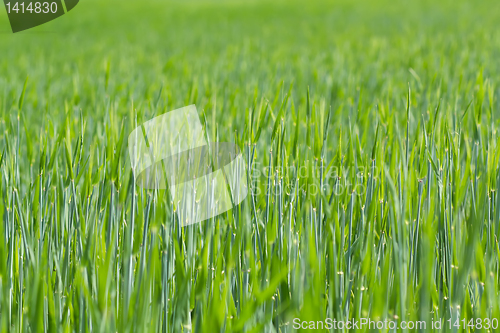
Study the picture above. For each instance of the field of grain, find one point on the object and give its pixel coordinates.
(370, 133)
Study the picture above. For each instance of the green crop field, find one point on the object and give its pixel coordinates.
(370, 134)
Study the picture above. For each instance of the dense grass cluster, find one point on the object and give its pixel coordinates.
(370, 133)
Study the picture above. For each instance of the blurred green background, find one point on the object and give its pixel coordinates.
(228, 48)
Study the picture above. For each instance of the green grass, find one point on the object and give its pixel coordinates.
(370, 130)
